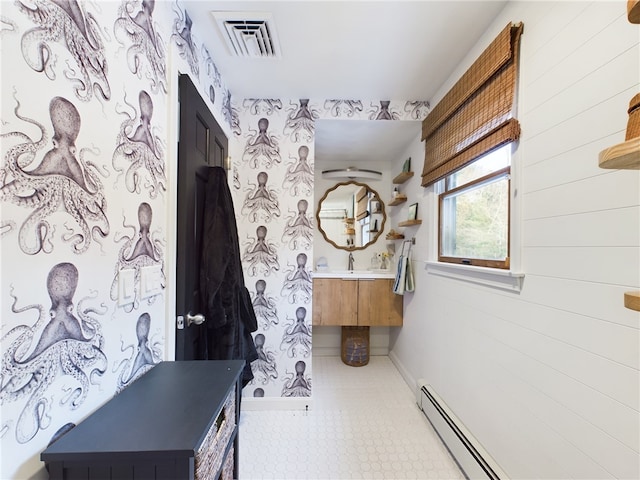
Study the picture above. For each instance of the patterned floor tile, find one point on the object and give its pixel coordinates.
(364, 424)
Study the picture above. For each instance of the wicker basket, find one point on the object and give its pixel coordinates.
(355, 346)
(633, 124)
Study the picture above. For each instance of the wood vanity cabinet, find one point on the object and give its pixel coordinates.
(378, 306)
(356, 302)
(178, 421)
(335, 301)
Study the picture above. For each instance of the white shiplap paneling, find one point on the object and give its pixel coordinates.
(611, 190)
(585, 127)
(548, 379)
(546, 116)
(577, 230)
(590, 300)
(612, 265)
(567, 165)
(585, 44)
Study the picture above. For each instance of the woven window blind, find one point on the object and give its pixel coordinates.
(361, 203)
(477, 114)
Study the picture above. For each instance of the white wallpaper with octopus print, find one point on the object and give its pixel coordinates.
(84, 152)
(84, 157)
(273, 186)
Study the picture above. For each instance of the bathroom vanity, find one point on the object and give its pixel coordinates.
(356, 298)
(350, 217)
(355, 301)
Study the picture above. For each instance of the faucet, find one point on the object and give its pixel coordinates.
(350, 261)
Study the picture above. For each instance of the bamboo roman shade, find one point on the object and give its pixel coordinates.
(362, 201)
(477, 114)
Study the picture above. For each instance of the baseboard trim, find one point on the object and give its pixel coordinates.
(276, 403)
(408, 378)
(335, 351)
(326, 351)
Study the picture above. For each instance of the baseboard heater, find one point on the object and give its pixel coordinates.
(474, 461)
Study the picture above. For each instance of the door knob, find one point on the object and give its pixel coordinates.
(198, 319)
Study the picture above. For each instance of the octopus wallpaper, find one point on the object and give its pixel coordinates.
(83, 195)
(55, 181)
(142, 248)
(135, 30)
(57, 344)
(139, 149)
(87, 169)
(67, 24)
(273, 186)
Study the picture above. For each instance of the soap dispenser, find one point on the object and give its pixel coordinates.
(374, 262)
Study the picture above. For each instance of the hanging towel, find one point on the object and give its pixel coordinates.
(401, 272)
(404, 273)
(409, 285)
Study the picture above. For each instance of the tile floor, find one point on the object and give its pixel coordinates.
(364, 424)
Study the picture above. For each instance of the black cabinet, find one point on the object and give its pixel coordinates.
(178, 421)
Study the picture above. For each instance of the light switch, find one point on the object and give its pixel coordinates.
(126, 286)
(150, 281)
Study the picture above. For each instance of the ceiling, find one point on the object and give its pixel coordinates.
(367, 50)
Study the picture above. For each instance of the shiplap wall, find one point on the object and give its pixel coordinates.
(548, 379)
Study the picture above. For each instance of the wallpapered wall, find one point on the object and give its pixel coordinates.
(273, 180)
(88, 144)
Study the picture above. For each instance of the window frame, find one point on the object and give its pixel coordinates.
(504, 172)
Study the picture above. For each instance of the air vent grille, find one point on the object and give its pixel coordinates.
(248, 38)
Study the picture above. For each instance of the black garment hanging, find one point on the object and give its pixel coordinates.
(227, 305)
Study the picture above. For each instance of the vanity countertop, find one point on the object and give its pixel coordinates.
(353, 274)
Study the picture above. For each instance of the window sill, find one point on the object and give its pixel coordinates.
(492, 277)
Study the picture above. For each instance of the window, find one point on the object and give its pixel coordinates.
(474, 212)
(468, 139)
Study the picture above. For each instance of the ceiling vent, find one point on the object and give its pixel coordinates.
(248, 34)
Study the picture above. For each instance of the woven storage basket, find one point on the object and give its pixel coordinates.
(355, 346)
(633, 124)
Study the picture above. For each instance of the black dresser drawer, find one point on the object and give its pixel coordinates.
(179, 421)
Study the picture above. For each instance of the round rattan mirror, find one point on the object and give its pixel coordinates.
(351, 215)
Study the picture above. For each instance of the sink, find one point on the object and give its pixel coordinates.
(374, 273)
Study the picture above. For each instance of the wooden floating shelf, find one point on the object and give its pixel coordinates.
(408, 223)
(632, 300)
(622, 156)
(402, 177)
(633, 11)
(398, 200)
(395, 237)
